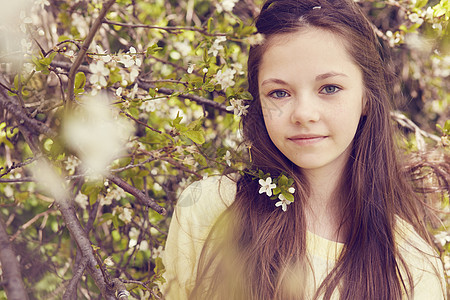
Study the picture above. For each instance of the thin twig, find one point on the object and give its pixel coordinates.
(28, 224)
(69, 294)
(171, 29)
(138, 194)
(84, 48)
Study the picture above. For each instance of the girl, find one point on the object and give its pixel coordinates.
(320, 116)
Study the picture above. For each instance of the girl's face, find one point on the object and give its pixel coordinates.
(312, 97)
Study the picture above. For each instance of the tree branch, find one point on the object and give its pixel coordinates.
(170, 29)
(8, 103)
(140, 196)
(144, 85)
(14, 287)
(84, 48)
(70, 292)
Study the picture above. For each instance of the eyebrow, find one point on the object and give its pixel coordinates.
(328, 75)
(318, 78)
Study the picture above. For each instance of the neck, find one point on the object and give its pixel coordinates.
(323, 214)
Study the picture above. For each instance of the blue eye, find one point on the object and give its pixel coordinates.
(329, 89)
(279, 94)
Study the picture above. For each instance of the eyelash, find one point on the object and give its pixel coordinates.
(274, 93)
(336, 89)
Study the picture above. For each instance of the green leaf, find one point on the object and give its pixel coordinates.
(283, 180)
(421, 3)
(80, 80)
(153, 49)
(197, 136)
(177, 120)
(209, 24)
(288, 196)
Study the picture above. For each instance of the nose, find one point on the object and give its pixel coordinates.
(305, 109)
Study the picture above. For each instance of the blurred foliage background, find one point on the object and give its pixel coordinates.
(109, 109)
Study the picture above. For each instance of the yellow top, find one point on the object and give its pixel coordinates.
(202, 202)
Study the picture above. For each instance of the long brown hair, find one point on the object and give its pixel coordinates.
(254, 248)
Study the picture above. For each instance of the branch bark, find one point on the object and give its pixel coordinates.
(140, 196)
(14, 287)
(77, 232)
(8, 103)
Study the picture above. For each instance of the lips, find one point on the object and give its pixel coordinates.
(307, 139)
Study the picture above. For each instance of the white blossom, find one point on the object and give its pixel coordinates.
(119, 92)
(183, 47)
(8, 191)
(148, 106)
(82, 200)
(291, 190)
(238, 107)
(125, 215)
(226, 5)
(71, 163)
(216, 47)
(266, 186)
(225, 78)
(157, 252)
(227, 158)
(415, 18)
(190, 68)
(108, 261)
(443, 238)
(255, 39)
(99, 72)
(283, 202)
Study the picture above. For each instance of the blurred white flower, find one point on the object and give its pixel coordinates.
(414, 17)
(125, 215)
(225, 78)
(42, 3)
(183, 47)
(99, 72)
(96, 134)
(49, 180)
(108, 261)
(227, 158)
(190, 68)
(148, 106)
(238, 107)
(82, 200)
(119, 92)
(102, 54)
(255, 39)
(157, 252)
(443, 238)
(216, 47)
(72, 163)
(226, 5)
(8, 191)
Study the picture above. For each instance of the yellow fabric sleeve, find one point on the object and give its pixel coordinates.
(197, 210)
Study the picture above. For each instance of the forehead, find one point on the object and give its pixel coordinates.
(309, 48)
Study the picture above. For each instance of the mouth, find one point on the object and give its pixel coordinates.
(307, 139)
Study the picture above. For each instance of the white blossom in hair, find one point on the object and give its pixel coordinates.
(317, 7)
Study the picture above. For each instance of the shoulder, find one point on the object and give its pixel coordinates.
(202, 202)
(422, 261)
(210, 193)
